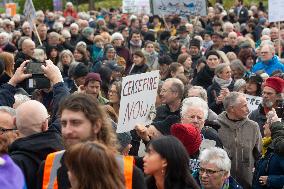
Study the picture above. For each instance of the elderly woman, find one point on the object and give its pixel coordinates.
(66, 58)
(238, 69)
(220, 88)
(214, 171)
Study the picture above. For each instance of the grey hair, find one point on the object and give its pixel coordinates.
(231, 99)
(269, 44)
(202, 92)
(6, 36)
(220, 68)
(194, 102)
(266, 31)
(53, 34)
(237, 63)
(68, 52)
(227, 24)
(74, 25)
(58, 26)
(20, 99)
(8, 110)
(238, 84)
(216, 156)
(177, 86)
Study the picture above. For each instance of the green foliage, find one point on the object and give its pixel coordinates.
(39, 5)
(102, 4)
(230, 3)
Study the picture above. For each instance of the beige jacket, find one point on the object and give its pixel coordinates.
(242, 141)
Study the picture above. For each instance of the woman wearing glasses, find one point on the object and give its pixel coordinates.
(214, 171)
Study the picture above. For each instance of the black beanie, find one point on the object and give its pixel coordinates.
(212, 52)
(80, 70)
(195, 42)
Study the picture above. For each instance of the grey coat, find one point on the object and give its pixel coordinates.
(242, 141)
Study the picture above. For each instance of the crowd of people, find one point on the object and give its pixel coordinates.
(62, 134)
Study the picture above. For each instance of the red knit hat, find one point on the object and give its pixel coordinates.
(189, 135)
(275, 83)
(92, 77)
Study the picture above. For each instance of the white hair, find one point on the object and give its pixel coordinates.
(65, 33)
(216, 156)
(74, 25)
(266, 31)
(58, 26)
(83, 16)
(6, 36)
(8, 110)
(20, 99)
(194, 102)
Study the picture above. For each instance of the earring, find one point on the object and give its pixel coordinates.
(163, 172)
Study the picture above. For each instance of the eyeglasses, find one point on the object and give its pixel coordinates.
(166, 90)
(209, 172)
(264, 52)
(3, 130)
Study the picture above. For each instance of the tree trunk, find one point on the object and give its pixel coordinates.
(92, 5)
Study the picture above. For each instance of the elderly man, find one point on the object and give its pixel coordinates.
(42, 32)
(241, 137)
(35, 140)
(271, 94)
(268, 62)
(5, 45)
(167, 114)
(7, 126)
(28, 47)
(232, 44)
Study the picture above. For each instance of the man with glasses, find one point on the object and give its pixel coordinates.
(214, 171)
(268, 61)
(241, 137)
(271, 95)
(7, 126)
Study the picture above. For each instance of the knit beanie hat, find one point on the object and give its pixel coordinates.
(212, 52)
(92, 77)
(275, 83)
(87, 32)
(80, 70)
(189, 135)
(195, 42)
(117, 35)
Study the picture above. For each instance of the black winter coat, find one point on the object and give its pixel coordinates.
(213, 91)
(204, 77)
(29, 152)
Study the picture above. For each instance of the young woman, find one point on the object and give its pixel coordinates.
(92, 166)
(167, 164)
(139, 63)
(114, 95)
(151, 55)
(253, 85)
(66, 58)
(81, 55)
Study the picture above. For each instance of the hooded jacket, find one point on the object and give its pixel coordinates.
(268, 66)
(30, 151)
(242, 141)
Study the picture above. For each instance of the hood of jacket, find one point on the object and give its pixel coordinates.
(40, 144)
(225, 122)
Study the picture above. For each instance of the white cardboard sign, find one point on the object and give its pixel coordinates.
(253, 102)
(138, 97)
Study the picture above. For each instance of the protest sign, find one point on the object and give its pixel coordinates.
(11, 9)
(30, 12)
(57, 5)
(138, 97)
(136, 6)
(186, 7)
(275, 10)
(253, 102)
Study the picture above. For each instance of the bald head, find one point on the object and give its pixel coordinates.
(28, 47)
(232, 38)
(31, 118)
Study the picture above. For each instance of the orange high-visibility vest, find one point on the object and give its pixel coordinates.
(52, 164)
